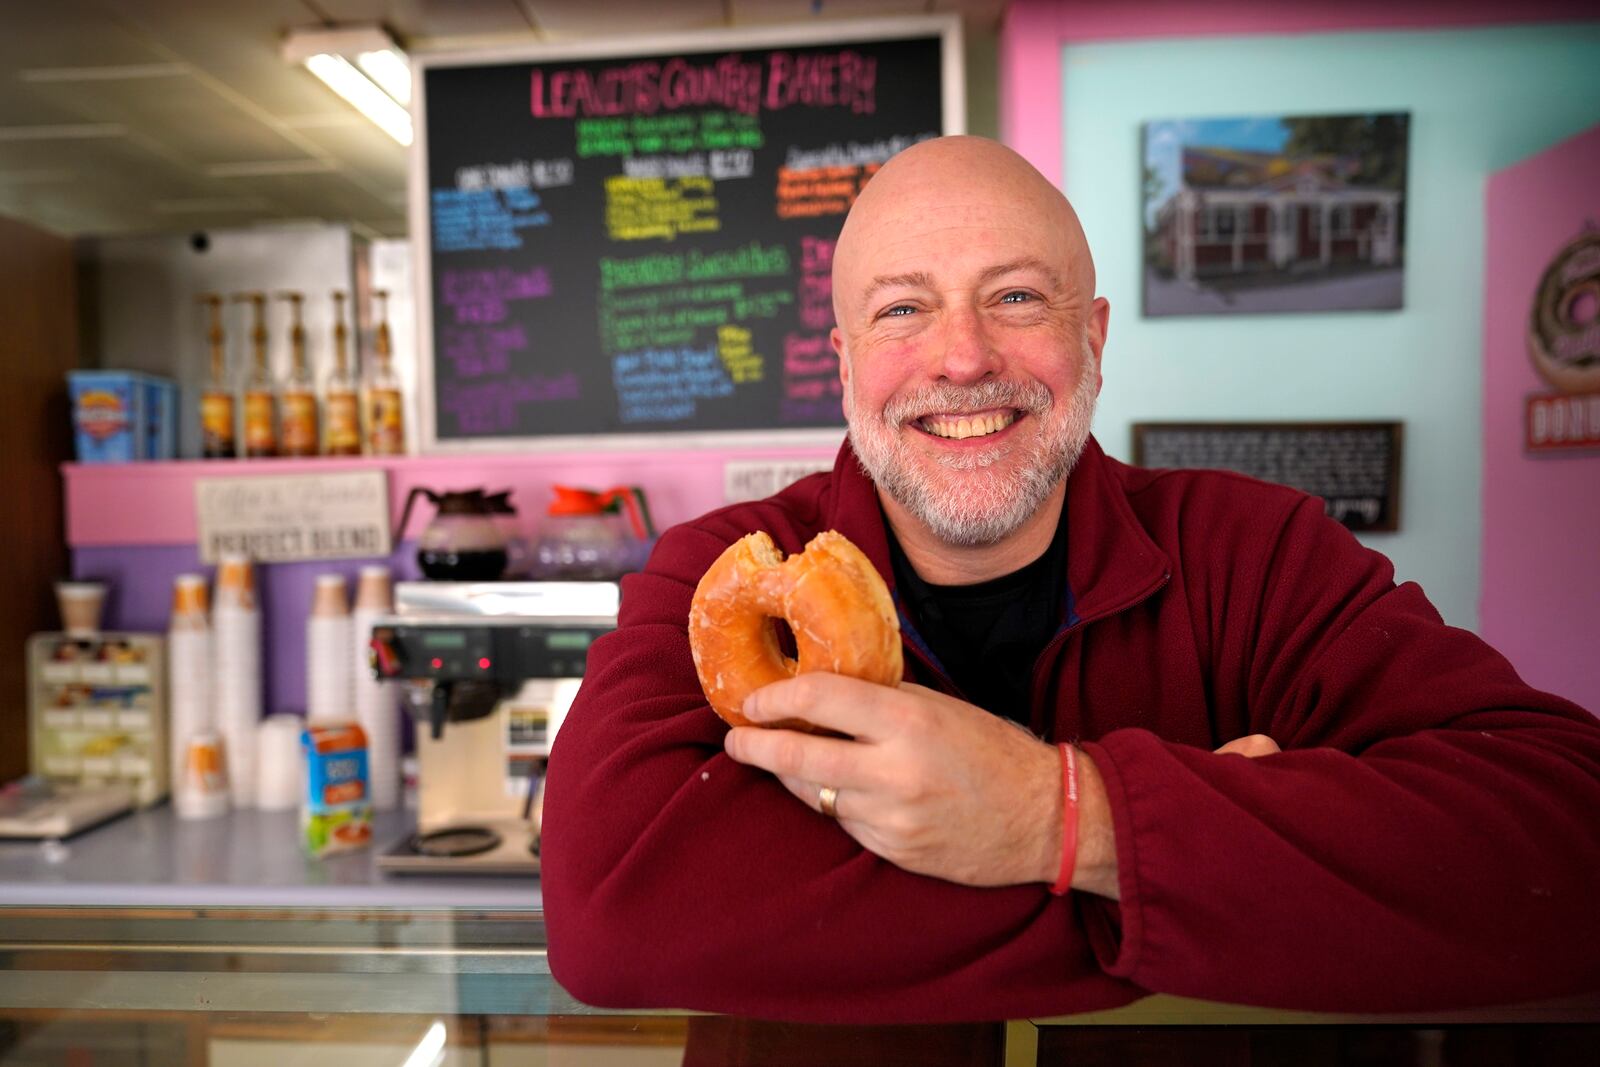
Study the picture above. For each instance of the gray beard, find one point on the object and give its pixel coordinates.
(971, 512)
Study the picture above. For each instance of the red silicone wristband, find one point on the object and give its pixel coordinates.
(1069, 819)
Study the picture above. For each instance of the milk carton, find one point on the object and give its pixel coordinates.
(336, 815)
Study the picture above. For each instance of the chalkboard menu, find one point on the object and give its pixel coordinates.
(1353, 466)
(642, 244)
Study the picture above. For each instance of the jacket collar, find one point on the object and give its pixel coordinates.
(1111, 560)
(1112, 563)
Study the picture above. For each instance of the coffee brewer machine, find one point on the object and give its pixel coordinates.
(488, 670)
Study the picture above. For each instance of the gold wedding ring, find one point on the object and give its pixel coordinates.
(827, 801)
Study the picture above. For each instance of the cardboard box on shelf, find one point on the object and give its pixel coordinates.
(123, 416)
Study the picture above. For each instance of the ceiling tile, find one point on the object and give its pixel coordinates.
(747, 12)
(21, 106)
(415, 19)
(68, 33)
(976, 14)
(233, 100)
(359, 145)
(238, 45)
(181, 114)
(568, 19)
(326, 196)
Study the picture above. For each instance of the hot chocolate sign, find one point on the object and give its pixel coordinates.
(1564, 344)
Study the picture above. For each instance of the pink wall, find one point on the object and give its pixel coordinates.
(1035, 31)
(1541, 514)
(153, 503)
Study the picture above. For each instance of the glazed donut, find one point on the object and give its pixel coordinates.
(834, 601)
(1564, 326)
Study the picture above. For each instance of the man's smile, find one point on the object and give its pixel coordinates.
(973, 424)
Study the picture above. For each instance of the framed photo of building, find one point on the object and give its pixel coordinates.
(1267, 214)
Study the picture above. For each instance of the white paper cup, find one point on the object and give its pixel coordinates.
(81, 604)
(279, 764)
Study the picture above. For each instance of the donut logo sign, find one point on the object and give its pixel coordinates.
(1564, 344)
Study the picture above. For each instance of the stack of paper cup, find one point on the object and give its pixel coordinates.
(203, 782)
(188, 679)
(279, 766)
(377, 703)
(328, 694)
(236, 639)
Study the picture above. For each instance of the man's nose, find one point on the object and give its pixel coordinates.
(969, 354)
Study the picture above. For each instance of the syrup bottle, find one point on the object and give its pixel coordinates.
(218, 433)
(385, 419)
(260, 398)
(341, 426)
(298, 398)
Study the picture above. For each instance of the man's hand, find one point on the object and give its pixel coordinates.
(1250, 746)
(935, 785)
(929, 783)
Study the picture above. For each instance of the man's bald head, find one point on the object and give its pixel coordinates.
(959, 181)
(969, 339)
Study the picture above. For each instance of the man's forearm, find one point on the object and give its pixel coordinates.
(1095, 870)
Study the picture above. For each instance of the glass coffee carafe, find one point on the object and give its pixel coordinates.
(593, 536)
(465, 542)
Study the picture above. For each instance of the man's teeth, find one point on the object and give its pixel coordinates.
(971, 426)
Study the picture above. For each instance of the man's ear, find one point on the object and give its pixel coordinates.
(1098, 325)
(836, 339)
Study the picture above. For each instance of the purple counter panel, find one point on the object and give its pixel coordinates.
(140, 599)
(133, 525)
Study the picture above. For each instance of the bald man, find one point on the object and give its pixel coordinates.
(1051, 813)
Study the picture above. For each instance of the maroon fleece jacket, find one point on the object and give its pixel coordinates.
(1429, 837)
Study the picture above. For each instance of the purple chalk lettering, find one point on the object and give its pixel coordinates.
(495, 407)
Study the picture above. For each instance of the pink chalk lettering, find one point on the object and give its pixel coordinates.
(822, 79)
(816, 254)
(646, 87)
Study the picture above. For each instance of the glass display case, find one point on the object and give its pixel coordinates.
(153, 940)
(285, 986)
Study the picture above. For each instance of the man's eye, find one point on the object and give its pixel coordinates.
(1016, 298)
(900, 310)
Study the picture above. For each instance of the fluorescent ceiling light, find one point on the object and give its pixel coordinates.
(363, 94)
(380, 89)
(390, 71)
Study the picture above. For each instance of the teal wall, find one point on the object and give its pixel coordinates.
(1479, 100)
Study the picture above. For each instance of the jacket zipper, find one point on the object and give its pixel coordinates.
(1035, 688)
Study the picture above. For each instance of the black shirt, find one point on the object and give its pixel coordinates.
(987, 636)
